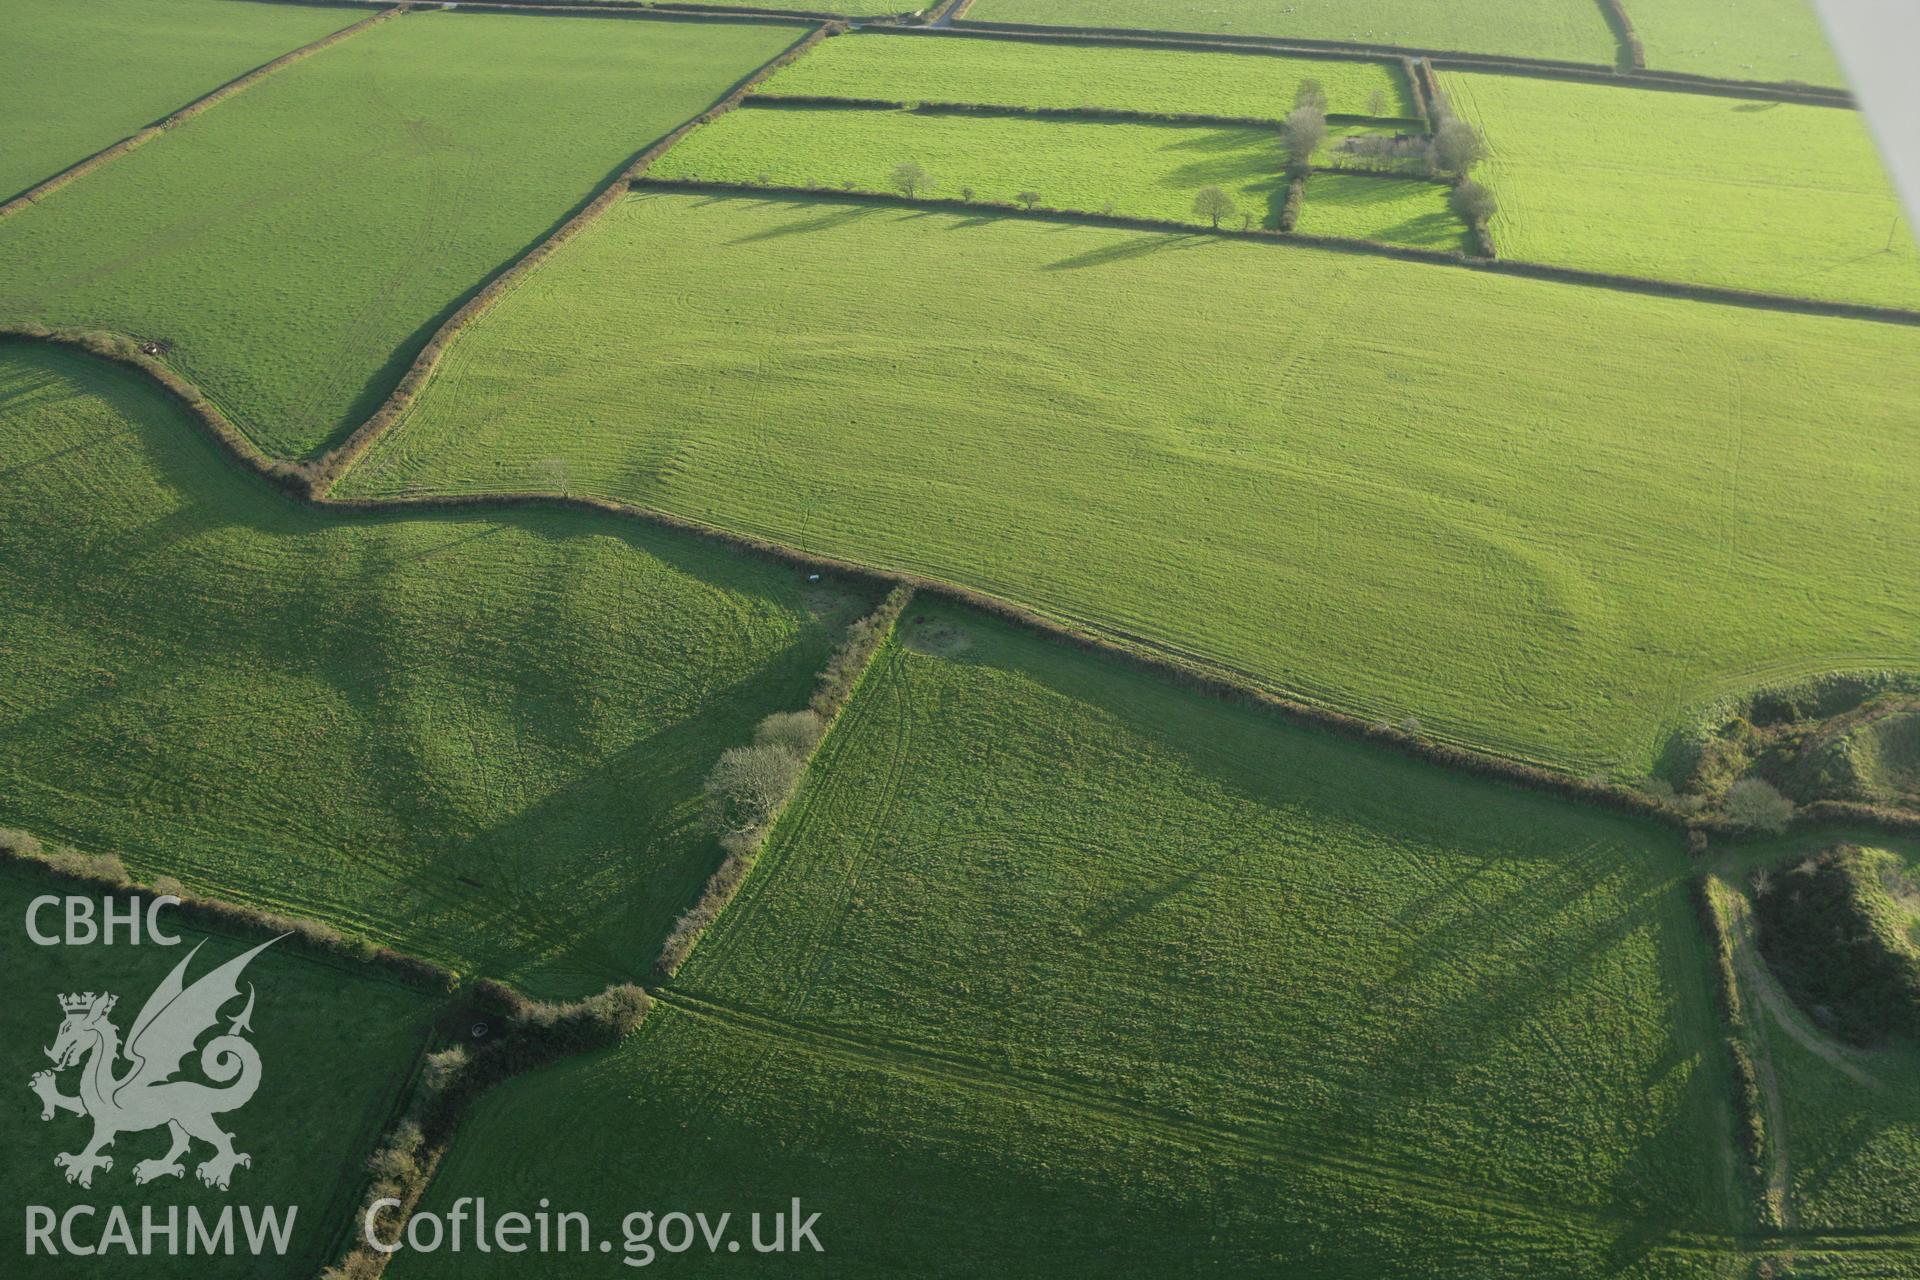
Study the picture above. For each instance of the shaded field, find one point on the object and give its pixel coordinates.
(1143, 170)
(1161, 985)
(77, 78)
(1570, 30)
(1542, 519)
(298, 245)
(479, 739)
(1395, 210)
(1037, 74)
(1849, 1118)
(1769, 196)
(336, 1045)
(1737, 39)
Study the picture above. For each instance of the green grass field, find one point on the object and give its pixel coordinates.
(299, 244)
(1736, 39)
(1121, 980)
(1396, 210)
(1015, 74)
(336, 1044)
(1768, 196)
(1141, 170)
(479, 738)
(1569, 30)
(76, 78)
(1542, 519)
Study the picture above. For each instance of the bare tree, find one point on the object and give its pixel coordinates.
(1377, 103)
(909, 179)
(1213, 203)
(1304, 130)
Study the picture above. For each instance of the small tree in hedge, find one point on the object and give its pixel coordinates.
(1303, 132)
(1456, 147)
(1474, 203)
(1754, 803)
(1027, 199)
(1377, 103)
(1214, 204)
(909, 179)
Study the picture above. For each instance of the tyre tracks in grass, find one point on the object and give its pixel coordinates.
(1405, 1181)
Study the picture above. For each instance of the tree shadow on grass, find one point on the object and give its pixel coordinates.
(1139, 246)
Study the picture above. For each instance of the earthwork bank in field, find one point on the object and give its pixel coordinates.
(296, 245)
(479, 739)
(1547, 541)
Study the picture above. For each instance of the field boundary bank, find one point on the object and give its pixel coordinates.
(835, 686)
(1093, 115)
(1757, 1130)
(1189, 671)
(1547, 68)
(1339, 244)
(239, 84)
(322, 471)
(1632, 52)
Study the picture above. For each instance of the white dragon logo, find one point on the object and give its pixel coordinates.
(145, 1097)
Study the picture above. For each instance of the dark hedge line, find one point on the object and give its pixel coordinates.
(1634, 54)
(291, 476)
(188, 112)
(1293, 45)
(1671, 81)
(529, 1035)
(1047, 213)
(1119, 38)
(1749, 1102)
(825, 102)
(833, 688)
(1821, 934)
(1421, 104)
(1296, 197)
(323, 472)
(1699, 292)
(637, 9)
(106, 874)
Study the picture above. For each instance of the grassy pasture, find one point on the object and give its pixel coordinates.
(1736, 39)
(1570, 30)
(1396, 210)
(1770, 196)
(336, 1044)
(1015, 74)
(76, 78)
(1146, 170)
(477, 738)
(1543, 519)
(1154, 985)
(299, 244)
